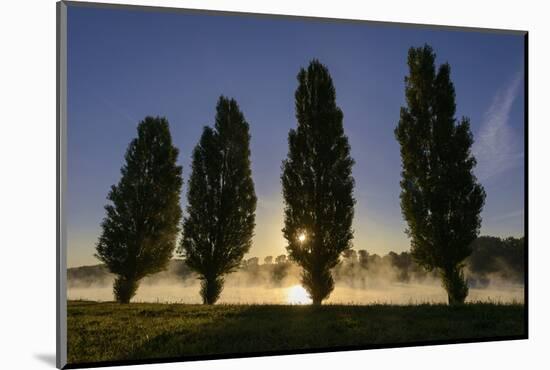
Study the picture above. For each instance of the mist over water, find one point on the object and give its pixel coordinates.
(259, 287)
(396, 293)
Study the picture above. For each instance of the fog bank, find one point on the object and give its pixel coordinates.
(280, 284)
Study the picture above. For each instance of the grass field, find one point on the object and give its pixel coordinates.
(110, 331)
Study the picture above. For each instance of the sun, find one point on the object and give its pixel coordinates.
(297, 295)
(302, 237)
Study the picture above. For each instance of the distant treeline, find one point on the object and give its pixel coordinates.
(501, 258)
(492, 260)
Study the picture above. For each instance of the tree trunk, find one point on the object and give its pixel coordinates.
(211, 288)
(125, 288)
(319, 284)
(455, 285)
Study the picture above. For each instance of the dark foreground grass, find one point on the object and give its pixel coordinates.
(110, 331)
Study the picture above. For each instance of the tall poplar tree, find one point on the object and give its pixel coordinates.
(218, 228)
(142, 219)
(317, 183)
(441, 199)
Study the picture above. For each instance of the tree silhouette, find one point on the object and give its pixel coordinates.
(281, 258)
(363, 257)
(141, 224)
(317, 183)
(218, 229)
(441, 199)
(496, 257)
(350, 256)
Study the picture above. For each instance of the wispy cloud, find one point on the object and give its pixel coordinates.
(118, 110)
(497, 147)
(517, 214)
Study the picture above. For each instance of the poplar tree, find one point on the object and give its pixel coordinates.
(218, 228)
(317, 183)
(143, 214)
(441, 199)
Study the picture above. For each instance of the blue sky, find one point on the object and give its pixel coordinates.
(125, 64)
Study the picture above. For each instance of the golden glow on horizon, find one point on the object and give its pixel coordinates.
(268, 239)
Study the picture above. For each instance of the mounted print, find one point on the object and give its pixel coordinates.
(236, 185)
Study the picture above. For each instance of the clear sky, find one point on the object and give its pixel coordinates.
(125, 64)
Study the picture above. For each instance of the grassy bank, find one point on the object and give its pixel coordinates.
(109, 331)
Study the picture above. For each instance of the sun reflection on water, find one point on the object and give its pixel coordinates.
(296, 294)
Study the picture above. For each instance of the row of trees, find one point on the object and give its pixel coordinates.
(441, 199)
(269, 260)
(144, 216)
